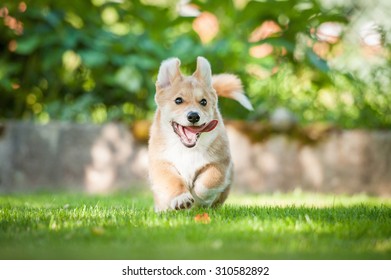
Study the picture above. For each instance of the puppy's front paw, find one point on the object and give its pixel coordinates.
(182, 201)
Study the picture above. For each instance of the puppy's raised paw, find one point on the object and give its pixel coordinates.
(182, 201)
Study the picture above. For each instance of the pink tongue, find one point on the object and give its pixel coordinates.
(189, 134)
(206, 128)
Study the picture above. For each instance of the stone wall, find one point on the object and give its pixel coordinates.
(345, 162)
(60, 155)
(102, 158)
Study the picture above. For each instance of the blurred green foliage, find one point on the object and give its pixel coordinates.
(97, 60)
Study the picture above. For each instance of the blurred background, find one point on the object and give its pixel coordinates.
(77, 89)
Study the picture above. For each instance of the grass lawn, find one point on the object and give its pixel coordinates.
(124, 226)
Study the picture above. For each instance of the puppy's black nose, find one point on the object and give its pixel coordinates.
(193, 117)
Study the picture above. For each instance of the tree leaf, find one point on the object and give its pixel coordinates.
(28, 45)
(129, 78)
(93, 58)
(317, 61)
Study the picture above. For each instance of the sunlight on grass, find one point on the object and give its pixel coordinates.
(124, 226)
(300, 198)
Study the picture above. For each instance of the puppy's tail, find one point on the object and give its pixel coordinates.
(230, 86)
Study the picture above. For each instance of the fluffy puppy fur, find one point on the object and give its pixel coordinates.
(189, 158)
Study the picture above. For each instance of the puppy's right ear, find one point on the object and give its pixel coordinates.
(168, 73)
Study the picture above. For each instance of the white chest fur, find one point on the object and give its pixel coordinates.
(188, 161)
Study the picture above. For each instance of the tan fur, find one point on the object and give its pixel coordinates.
(226, 84)
(182, 177)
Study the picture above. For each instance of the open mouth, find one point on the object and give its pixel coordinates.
(189, 134)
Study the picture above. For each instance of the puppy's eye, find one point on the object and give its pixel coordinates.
(179, 100)
(203, 102)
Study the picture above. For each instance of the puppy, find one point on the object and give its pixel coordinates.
(189, 158)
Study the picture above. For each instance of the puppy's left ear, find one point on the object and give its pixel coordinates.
(203, 72)
(168, 72)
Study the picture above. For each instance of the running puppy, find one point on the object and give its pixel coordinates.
(189, 158)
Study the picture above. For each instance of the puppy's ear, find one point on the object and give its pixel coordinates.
(168, 72)
(203, 72)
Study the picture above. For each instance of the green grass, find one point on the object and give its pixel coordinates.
(124, 226)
